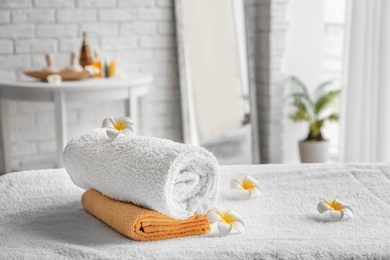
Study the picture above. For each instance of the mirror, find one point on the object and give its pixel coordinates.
(218, 105)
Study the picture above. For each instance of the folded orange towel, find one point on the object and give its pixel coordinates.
(139, 223)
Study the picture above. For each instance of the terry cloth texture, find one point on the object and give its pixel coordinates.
(177, 180)
(139, 223)
(41, 218)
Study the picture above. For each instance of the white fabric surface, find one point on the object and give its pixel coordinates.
(174, 179)
(41, 218)
(365, 114)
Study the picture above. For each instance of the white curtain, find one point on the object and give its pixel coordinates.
(366, 94)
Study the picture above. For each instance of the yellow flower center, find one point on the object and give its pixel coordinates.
(335, 205)
(227, 218)
(248, 185)
(120, 125)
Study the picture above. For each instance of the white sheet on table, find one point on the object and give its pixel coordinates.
(41, 217)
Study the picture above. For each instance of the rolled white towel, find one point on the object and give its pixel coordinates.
(172, 178)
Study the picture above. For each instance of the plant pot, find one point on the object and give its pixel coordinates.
(314, 151)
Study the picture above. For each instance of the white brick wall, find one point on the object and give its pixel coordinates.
(139, 34)
(32, 15)
(76, 15)
(6, 46)
(134, 3)
(100, 29)
(15, 61)
(4, 16)
(56, 30)
(138, 27)
(16, 31)
(118, 15)
(51, 3)
(267, 29)
(35, 45)
(15, 3)
(96, 3)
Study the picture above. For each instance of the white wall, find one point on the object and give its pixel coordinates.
(140, 35)
(304, 58)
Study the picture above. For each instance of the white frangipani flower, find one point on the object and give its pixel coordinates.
(54, 79)
(227, 220)
(91, 69)
(337, 209)
(118, 125)
(247, 187)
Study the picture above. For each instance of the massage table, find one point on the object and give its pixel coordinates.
(41, 218)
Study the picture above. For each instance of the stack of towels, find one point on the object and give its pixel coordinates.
(145, 188)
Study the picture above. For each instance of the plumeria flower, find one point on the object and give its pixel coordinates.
(91, 69)
(337, 209)
(248, 187)
(118, 125)
(54, 79)
(227, 220)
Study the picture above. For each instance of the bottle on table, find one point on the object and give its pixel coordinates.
(96, 63)
(112, 68)
(109, 68)
(85, 53)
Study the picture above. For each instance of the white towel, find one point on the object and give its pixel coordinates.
(174, 179)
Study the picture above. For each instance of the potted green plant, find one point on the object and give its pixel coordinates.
(314, 109)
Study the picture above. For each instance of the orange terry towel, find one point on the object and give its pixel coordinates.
(139, 223)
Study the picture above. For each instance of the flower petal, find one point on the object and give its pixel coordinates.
(239, 226)
(128, 121)
(112, 120)
(224, 228)
(234, 215)
(128, 131)
(235, 184)
(347, 212)
(112, 133)
(336, 215)
(323, 206)
(342, 205)
(213, 216)
(255, 192)
(250, 179)
(107, 123)
(118, 118)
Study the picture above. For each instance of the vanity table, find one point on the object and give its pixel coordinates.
(130, 89)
